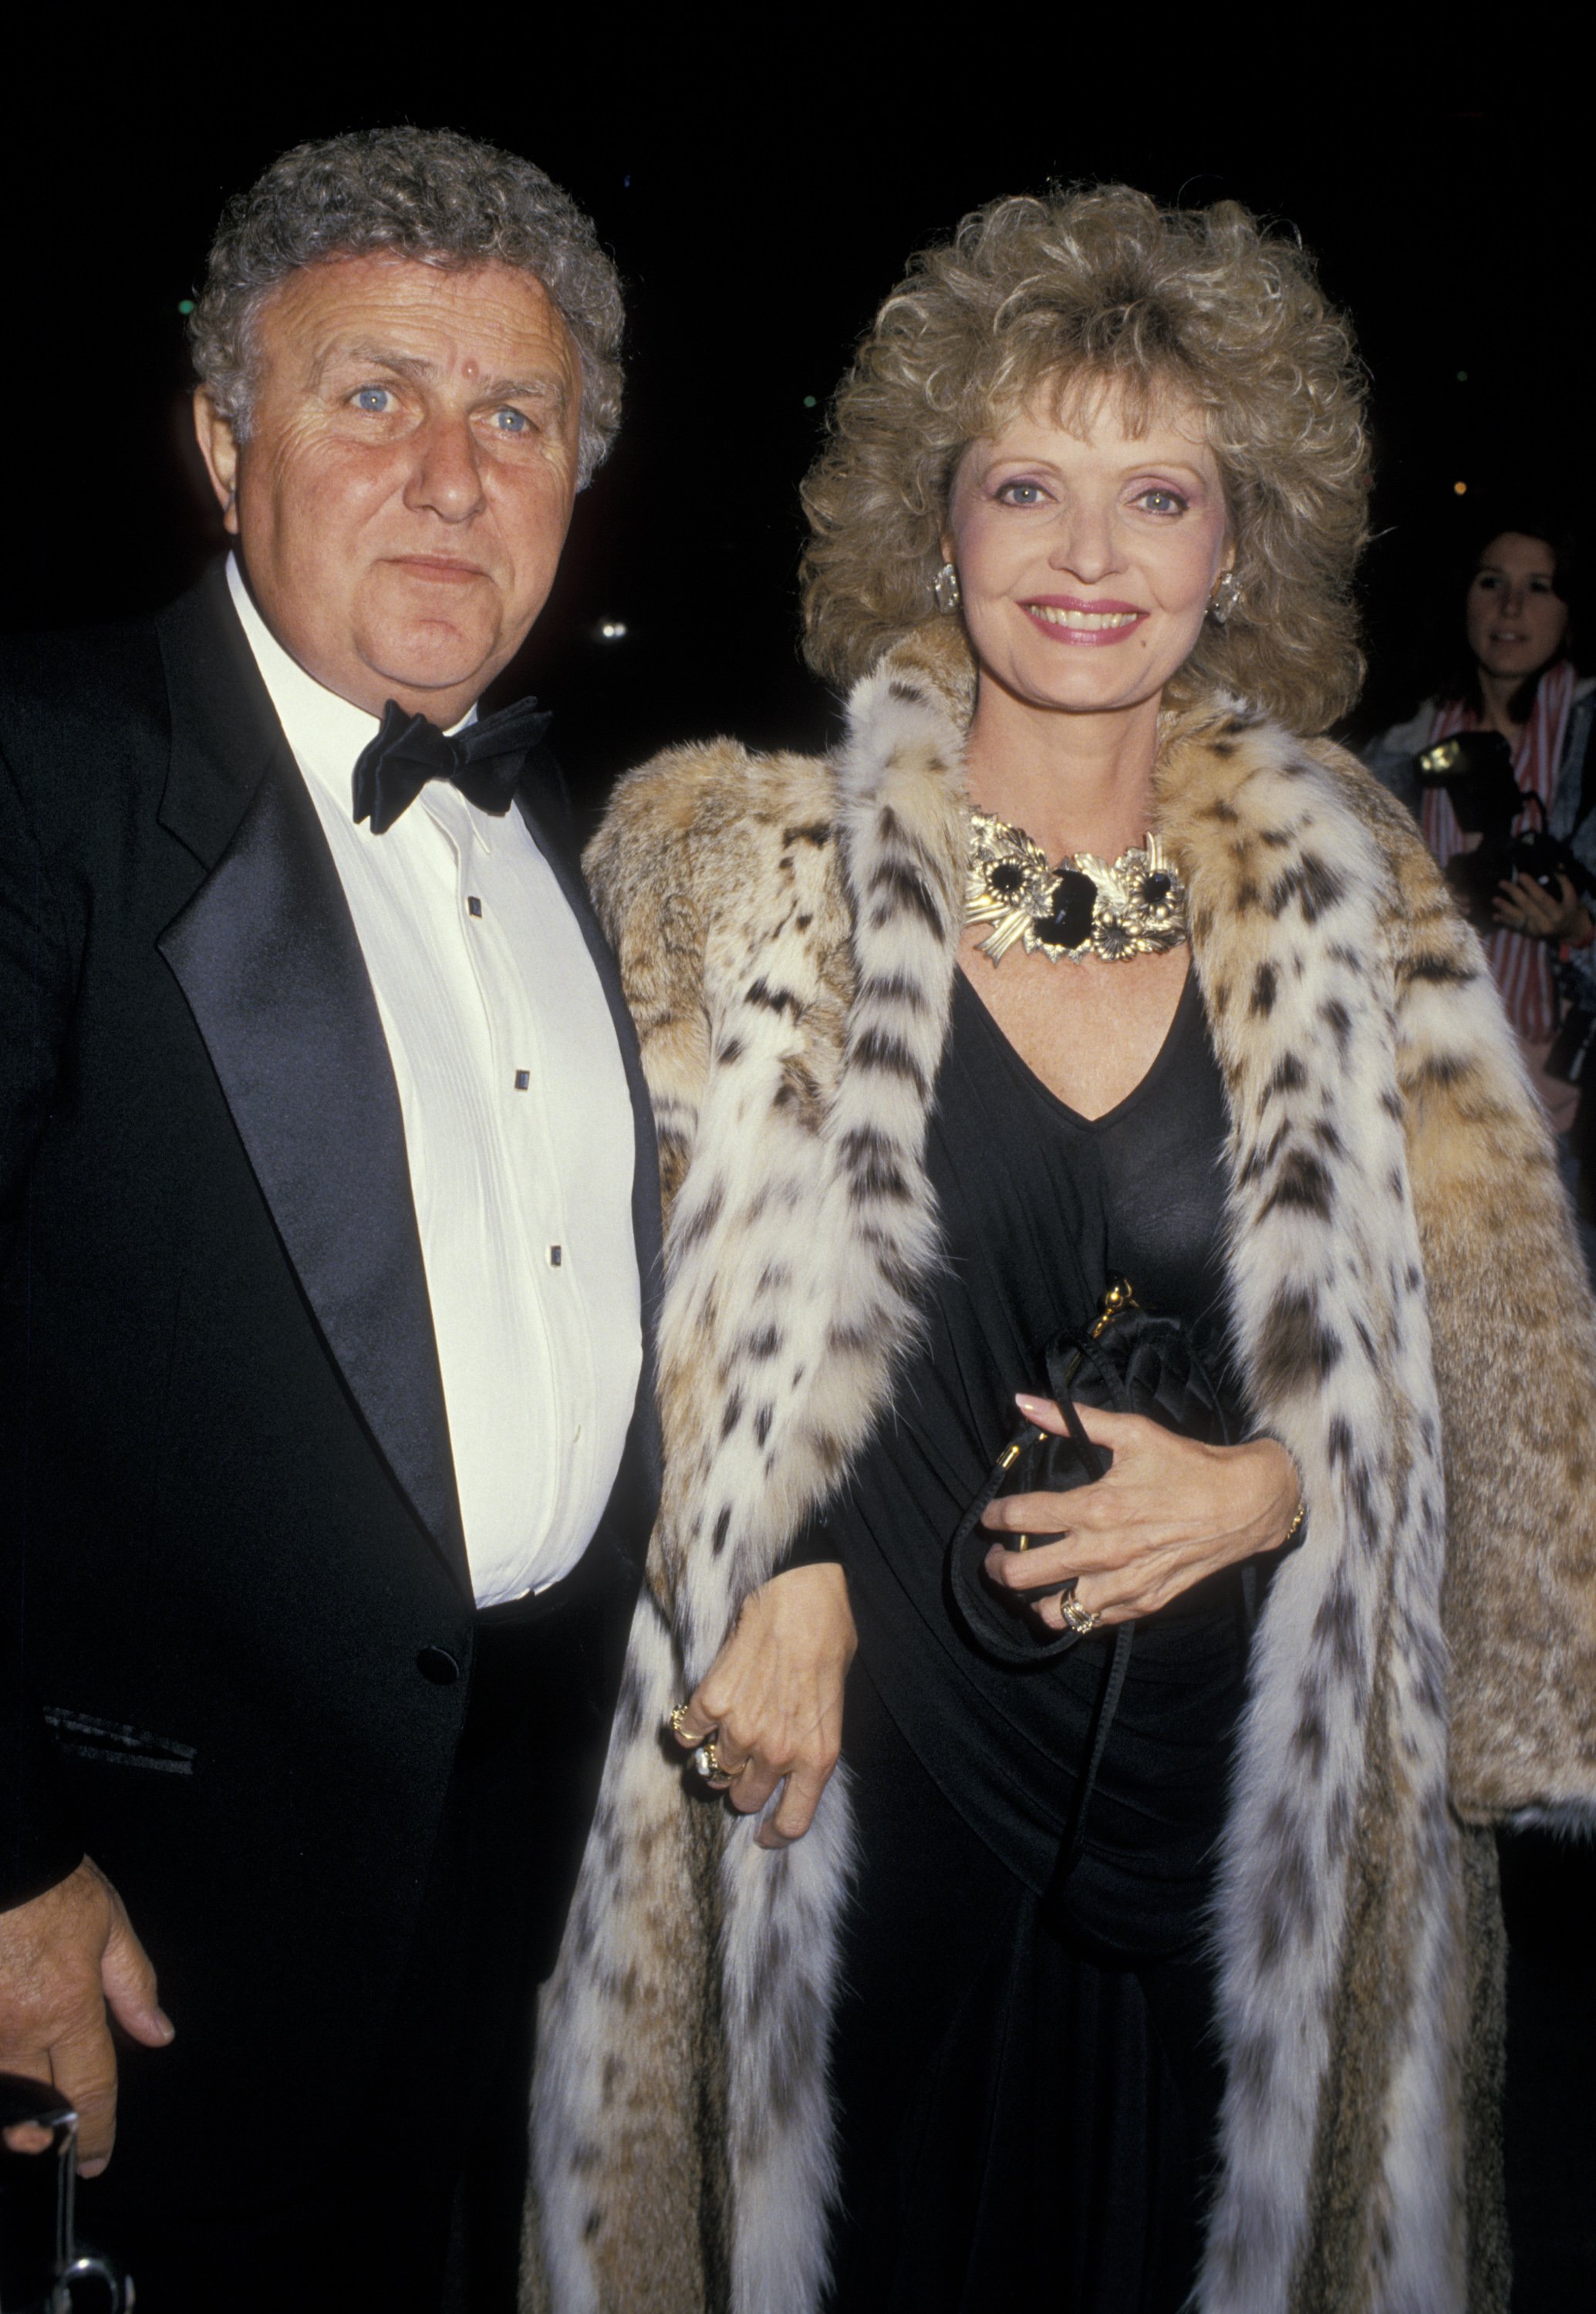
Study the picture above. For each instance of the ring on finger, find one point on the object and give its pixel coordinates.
(706, 1761)
(1076, 1618)
(677, 1730)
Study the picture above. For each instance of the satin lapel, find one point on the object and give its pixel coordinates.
(267, 957)
(541, 799)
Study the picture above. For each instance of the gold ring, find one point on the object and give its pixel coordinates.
(706, 1761)
(677, 1717)
(1078, 1619)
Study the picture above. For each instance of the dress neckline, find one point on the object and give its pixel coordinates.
(1026, 1076)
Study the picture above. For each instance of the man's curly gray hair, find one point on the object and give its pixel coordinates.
(427, 193)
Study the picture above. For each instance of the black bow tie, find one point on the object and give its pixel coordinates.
(484, 761)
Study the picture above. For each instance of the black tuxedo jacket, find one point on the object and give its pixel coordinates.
(238, 1623)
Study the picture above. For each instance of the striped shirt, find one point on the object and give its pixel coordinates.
(1522, 965)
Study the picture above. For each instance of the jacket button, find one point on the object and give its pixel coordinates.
(438, 1665)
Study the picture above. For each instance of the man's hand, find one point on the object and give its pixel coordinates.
(772, 1698)
(65, 1957)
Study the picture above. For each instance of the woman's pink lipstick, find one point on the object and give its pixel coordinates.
(1081, 620)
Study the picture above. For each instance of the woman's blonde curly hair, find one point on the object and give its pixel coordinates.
(1102, 288)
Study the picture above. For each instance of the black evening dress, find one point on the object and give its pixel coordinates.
(1025, 2074)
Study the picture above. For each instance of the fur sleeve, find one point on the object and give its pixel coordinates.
(1515, 1359)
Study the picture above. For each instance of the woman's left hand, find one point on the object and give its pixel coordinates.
(1170, 1511)
(1524, 906)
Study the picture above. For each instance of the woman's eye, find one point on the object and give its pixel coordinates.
(375, 400)
(1160, 501)
(1019, 494)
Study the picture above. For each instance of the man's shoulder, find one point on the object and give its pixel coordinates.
(73, 698)
(91, 717)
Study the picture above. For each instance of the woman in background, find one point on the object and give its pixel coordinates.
(1515, 676)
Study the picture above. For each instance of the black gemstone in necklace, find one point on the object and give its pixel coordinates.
(1006, 879)
(1075, 897)
(1155, 891)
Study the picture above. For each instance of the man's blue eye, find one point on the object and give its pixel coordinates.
(510, 422)
(374, 398)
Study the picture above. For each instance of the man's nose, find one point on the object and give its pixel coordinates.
(446, 477)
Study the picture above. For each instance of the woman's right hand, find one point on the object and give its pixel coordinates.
(772, 1698)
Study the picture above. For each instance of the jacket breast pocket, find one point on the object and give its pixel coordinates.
(82, 1736)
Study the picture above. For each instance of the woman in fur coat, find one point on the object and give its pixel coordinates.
(1082, 1983)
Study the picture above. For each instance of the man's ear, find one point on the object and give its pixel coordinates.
(218, 447)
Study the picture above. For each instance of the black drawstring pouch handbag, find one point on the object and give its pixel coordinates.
(1130, 1362)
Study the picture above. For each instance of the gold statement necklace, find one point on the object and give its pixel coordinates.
(1082, 907)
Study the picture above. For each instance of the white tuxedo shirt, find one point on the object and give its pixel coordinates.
(518, 1131)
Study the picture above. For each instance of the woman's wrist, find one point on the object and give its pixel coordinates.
(1286, 1509)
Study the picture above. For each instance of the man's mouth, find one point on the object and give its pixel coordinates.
(443, 567)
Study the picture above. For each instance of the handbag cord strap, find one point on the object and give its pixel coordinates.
(1119, 1663)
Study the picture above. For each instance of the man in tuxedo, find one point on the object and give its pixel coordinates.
(328, 1240)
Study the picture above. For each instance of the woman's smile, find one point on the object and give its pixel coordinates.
(1073, 619)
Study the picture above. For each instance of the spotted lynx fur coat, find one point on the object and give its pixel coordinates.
(1415, 1326)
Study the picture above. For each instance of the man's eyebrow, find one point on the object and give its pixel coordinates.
(543, 386)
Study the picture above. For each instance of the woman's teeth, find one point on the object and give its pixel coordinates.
(1089, 620)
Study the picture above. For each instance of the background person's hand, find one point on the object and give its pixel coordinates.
(1523, 906)
(65, 1957)
(772, 1698)
(1170, 1511)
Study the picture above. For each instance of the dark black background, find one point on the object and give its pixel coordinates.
(760, 185)
(760, 190)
